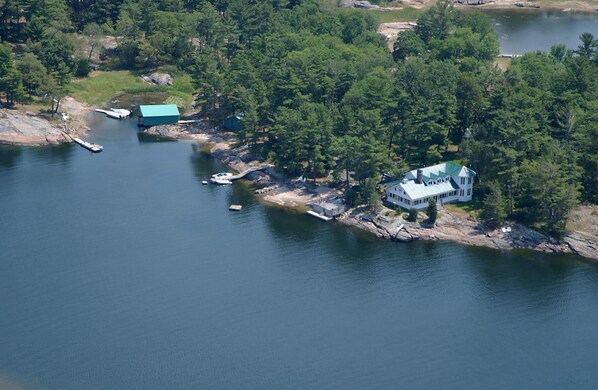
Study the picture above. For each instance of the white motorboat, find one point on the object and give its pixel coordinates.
(222, 175)
(220, 181)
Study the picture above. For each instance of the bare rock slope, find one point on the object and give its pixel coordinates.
(19, 129)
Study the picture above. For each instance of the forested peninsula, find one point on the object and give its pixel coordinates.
(320, 95)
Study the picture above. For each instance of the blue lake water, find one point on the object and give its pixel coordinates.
(523, 30)
(120, 270)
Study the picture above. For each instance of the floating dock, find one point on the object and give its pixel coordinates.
(248, 171)
(319, 216)
(235, 207)
(88, 145)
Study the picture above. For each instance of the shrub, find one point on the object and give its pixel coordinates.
(82, 67)
(412, 216)
(432, 211)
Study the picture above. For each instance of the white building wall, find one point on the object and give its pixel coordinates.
(394, 195)
(465, 188)
(464, 194)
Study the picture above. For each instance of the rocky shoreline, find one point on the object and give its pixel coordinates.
(19, 129)
(387, 224)
(32, 129)
(450, 227)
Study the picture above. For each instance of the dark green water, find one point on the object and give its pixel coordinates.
(524, 30)
(120, 270)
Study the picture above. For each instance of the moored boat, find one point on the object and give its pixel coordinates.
(222, 175)
(220, 181)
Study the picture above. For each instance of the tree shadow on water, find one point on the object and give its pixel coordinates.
(10, 156)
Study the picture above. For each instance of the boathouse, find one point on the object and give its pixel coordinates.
(329, 209)
(234, 123)
(158, 114)
(445, 183)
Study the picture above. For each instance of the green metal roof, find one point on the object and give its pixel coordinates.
(442, 170)
(157, 110)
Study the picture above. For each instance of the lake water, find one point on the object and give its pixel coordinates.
(121, 270)
(523, 30)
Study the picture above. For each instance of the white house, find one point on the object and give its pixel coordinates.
(445, 183)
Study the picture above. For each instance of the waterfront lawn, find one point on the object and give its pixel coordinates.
(100, 87)
(471, 209)
(407, 14)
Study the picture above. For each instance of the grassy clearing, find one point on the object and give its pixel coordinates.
(407, 14)
(467, 209)
(584, 219)
(328, 5)
(502, 63)
(102, 86)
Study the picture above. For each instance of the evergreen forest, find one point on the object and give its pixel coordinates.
(321, 92)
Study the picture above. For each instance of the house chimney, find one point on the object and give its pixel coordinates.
(420, 175)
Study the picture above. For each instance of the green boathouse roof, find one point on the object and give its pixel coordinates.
(159, 110)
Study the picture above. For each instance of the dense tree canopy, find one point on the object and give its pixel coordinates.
(320, 93)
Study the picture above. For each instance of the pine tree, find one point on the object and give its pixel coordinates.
(495, 208)
(431, 211)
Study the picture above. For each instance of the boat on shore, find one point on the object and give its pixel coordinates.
(121, 111)
(95, 148)
(115, 113)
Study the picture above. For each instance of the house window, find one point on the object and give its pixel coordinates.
(469, 181)
(462, 180)
(462, 192)
(469, 192)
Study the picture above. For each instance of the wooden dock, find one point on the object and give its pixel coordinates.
(95, 148)
(235, 207)
(248, 171)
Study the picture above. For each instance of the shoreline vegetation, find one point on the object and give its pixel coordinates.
(319, 92)
(409, 10)
(452, 224)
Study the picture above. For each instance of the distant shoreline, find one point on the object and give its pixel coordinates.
(510, 6)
